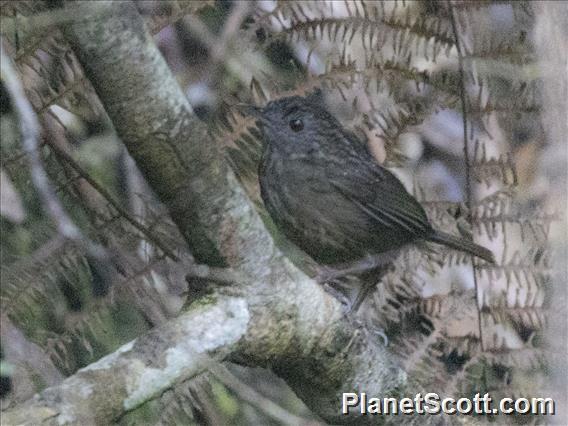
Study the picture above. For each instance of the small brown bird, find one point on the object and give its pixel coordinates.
(328, 195)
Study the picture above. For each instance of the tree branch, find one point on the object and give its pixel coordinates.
(278, 318)
(139, 370)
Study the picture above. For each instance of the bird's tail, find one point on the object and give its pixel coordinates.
(461, 244)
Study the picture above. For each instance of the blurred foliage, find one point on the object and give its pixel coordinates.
(389, 71)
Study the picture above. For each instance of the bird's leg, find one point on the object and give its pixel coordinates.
(343, 299)
(361, 295)
(330, 275)
(368, 263)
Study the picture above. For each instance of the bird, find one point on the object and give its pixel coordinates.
(328, 195)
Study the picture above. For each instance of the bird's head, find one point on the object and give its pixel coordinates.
(295, 124)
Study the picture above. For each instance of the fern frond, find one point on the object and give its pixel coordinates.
(408, 33)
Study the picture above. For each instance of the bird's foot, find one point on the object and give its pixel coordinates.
(350, 298)
(346, 303)
(335, 277)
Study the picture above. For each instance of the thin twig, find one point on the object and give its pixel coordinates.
(241, 67)
(40, 21)
(30, 132)
(466, 157)
(68, 159)
(254, 398)
(232, 25)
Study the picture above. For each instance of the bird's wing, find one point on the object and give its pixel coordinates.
(378, 193)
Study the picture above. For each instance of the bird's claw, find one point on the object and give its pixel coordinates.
(344, 300)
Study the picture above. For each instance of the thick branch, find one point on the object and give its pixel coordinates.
(139, 370)
(278, 318)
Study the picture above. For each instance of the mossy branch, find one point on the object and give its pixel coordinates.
(278, 318)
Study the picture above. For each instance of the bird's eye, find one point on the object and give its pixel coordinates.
(296, 125)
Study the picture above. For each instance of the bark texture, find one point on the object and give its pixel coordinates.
(277, 318)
